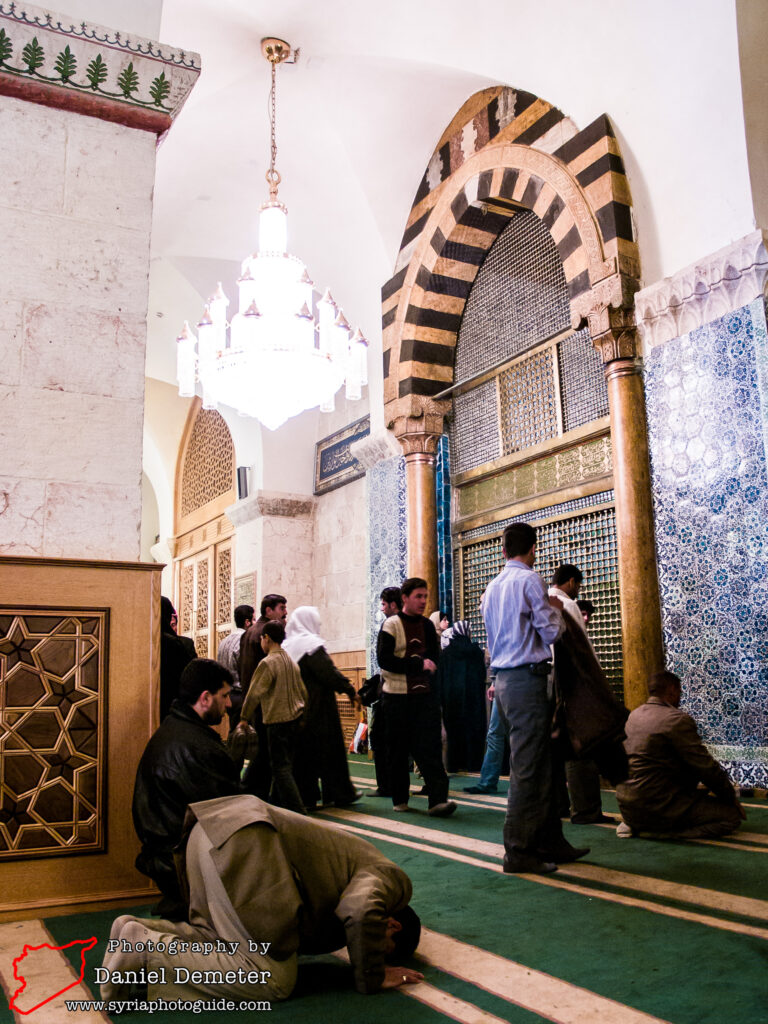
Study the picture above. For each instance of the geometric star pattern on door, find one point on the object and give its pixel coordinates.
(53, 691)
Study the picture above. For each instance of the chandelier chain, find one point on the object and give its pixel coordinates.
(272, 175)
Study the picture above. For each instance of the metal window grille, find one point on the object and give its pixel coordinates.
(518, 297)
(588, 541)
(475, 432)
(583, 390)
(528, 402)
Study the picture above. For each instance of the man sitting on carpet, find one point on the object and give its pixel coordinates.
(185, 761)
(266, 884)
(667, 761)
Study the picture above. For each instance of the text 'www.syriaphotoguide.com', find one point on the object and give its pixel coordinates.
(162, 1005)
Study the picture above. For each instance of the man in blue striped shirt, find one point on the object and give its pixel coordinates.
(521, 621)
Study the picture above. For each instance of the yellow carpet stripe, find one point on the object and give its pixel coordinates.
(443, 1002)
(45, 971)
(451, 1006)
(739, 840)
(541, 993)
(712, 899)
(557, 883)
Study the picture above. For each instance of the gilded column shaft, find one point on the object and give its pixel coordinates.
(639, 585)
(422, 521)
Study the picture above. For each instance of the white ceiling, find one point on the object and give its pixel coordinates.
(375, 86)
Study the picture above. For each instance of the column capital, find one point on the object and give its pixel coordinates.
(417, 423)
(613, 332)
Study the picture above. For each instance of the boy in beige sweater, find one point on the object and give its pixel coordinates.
(277, 685)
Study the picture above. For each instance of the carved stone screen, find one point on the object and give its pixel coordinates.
(53, 700)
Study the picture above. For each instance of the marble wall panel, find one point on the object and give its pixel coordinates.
(99, 153)
(53, 435)
(45, 137)
(76, 213)
(707, 416)
(54, 360)
(387, 540)
(340, 552)
(287, 558)
(11, 341)
(103, 268)
(91, 519)
(22, 508)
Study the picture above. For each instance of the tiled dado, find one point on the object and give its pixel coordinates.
(707, 420)
(583, 463)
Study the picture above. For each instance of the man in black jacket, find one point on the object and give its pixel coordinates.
(184, 762)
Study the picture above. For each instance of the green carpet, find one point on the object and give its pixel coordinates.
(684, 971)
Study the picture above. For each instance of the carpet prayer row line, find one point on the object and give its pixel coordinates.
(638, 932)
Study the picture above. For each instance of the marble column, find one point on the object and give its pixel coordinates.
(417, 424)
(422, 521)
(639, 585)
(79, 150)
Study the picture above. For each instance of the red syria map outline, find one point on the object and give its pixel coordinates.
(85, 943)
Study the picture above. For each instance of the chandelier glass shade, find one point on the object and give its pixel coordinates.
(283, 351)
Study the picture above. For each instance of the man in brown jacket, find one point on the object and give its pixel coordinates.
(277, 688)
(667, 761)
(266, 885)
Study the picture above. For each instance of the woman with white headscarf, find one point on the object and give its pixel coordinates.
(321, 751)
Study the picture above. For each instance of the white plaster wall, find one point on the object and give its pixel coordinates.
(340, 566)
(141, 17)
(150, 519)
(75, 214)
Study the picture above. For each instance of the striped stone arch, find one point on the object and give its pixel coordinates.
(504, 152)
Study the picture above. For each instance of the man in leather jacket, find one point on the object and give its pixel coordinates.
(184, 762)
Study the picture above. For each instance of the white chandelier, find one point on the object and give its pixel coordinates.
(280, 358)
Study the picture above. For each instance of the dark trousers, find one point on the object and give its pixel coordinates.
(584, 791)
(258, 776)
(532, 829)
(321, 753)
(412, 724)
(377, 735)
(282, 738)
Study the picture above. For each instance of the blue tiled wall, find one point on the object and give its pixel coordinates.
(707, 403)
(387, 540)
(444, 553)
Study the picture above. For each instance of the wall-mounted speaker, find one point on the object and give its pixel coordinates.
(242, 482)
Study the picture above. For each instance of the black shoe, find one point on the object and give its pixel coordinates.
(565, 854)
(592, 819)
(443, 810)
(357, 794)
(528, 866)
(479, 789)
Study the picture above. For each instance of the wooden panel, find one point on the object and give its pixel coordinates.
(128, 595)
(352, 665)
(53, 709)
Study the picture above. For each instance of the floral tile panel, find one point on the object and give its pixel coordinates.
(708, 421)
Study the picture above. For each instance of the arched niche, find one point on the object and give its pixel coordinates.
(505, 151)
(203, 546)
